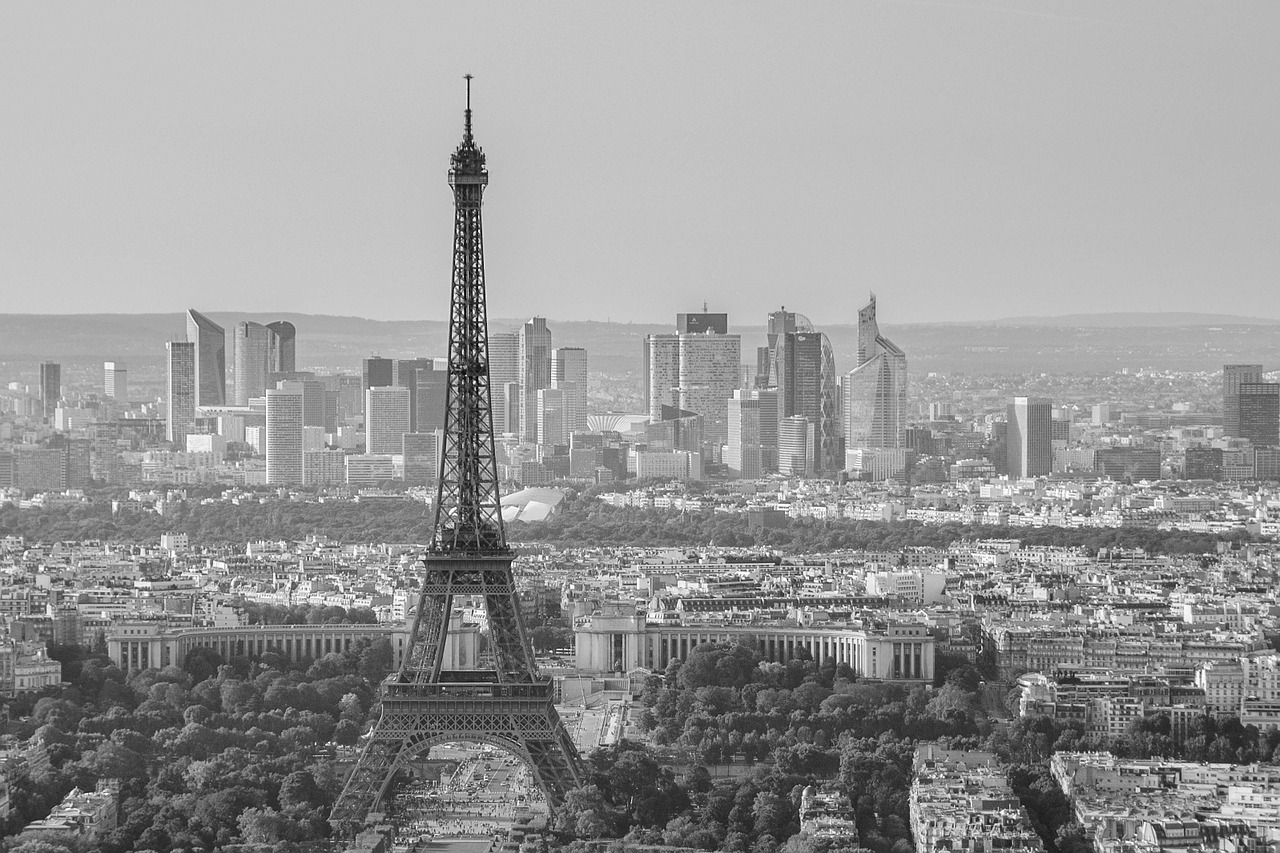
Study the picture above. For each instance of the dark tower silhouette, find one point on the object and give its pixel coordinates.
(508, 704)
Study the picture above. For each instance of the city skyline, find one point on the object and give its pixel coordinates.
(1113, 153)
(565, 588)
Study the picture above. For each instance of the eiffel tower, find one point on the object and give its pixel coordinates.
(509, 706)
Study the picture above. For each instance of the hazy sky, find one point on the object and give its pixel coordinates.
(964, 160)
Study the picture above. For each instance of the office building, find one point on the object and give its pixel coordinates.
(210, 342)
(386, 419)
(282, 357)
(504, 381)
(668, 465)
(569, 374)
(180, 401)
(875, 392)
(677, 429)
(796, 440)
(942, 412)
(1030, 449)
(421, 457)
(696, 372)
(1233, 376)
(115, 381)
(798, 361)
(1258, 410)
(323, 467)
(551, 417)
(1127, 464)
(698, 324)
(375, 372)
(284, 436)
(535, 372)
(407, 371)
(370, 469)
(50, 387)
(751, 449)
(252, 353)
(431, 398)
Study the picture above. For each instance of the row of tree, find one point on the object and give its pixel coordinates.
(581, 521)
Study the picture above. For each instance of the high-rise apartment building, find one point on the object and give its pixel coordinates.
(875, 392)
(115, 381)
(535, 372)
(1233, 376)
(696, 372)
(751, 450)
(252, 349)
(1259, 413)
(282, 343)
(180, 402)
(569, 374)
(210, 341)
(1030, 448)
(386, 419)
(284, 435)
(50, 387)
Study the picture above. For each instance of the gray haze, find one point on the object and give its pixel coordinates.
(963, 160)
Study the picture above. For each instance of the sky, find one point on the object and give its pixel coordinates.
(963, 160)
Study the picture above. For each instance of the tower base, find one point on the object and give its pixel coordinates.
(518, 718)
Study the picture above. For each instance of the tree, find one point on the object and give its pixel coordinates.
(718, 665)
(587, 814)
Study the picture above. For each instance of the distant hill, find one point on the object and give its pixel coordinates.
(1077, 343)
(1135, 319)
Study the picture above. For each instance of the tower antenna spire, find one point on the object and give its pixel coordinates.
(466, 133)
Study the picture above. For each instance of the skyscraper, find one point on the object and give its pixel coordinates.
(210, 341)
(1030, 448)
(799, 362)
(115, 381)
(284, 435)
(696, 372)
(569, 374)
(1233, 376)
(504, 369)
(429, 405)
(551, 417)
(875, 392)
(535, 372)
(376, 372)
(50, 387)
(1259, 407)
(252, 351)
(751, 449)
(386, 419)
(421, 459)
(697, 324)
(796, 439)
(180, 403)
(282, 358)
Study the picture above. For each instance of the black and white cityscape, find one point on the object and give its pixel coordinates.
(902, 556)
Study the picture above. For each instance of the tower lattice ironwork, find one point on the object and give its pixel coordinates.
(509, 705)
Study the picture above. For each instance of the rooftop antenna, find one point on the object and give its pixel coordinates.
(466, 133)
(704, 306)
